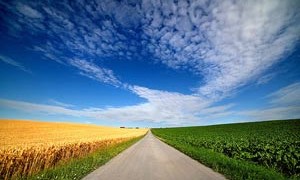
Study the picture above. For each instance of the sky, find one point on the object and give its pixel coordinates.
(150, 63)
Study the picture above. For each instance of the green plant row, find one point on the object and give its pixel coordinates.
(273, 145)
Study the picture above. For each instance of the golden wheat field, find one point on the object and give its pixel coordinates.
(27, 147)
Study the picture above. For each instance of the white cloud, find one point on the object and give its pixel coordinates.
(164, 107)
(58, 103)
(79, 29)
(229, 43)
(33, 107)
(283, 104)
(170, 100)
(14, 63)
(91, 70)
(287, 96)
(169, 108)
(289, 112)
(28, 11)
(266, 78)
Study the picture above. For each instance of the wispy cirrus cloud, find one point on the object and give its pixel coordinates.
(28, 11)
(13, 62)
(91, 70)
(287, 96)
(266, 78)
(275, 113)
(58, 103)
(283, 104)
(38, 108)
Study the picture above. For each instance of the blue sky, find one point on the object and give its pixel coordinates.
(150, 63)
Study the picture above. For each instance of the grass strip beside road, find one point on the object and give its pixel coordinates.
(80, 167)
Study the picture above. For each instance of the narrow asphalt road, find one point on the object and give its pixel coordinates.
(151, 159)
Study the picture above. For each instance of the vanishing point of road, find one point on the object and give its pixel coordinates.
(151, 159)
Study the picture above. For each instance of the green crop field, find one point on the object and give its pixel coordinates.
(259, 150)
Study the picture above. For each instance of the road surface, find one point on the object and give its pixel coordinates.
(151, 159)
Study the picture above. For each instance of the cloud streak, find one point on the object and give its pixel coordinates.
(58, 103)
(287, 96)
(91, 70)
(12, 62)
(28, 11)
(275, 113)
(283, 104)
